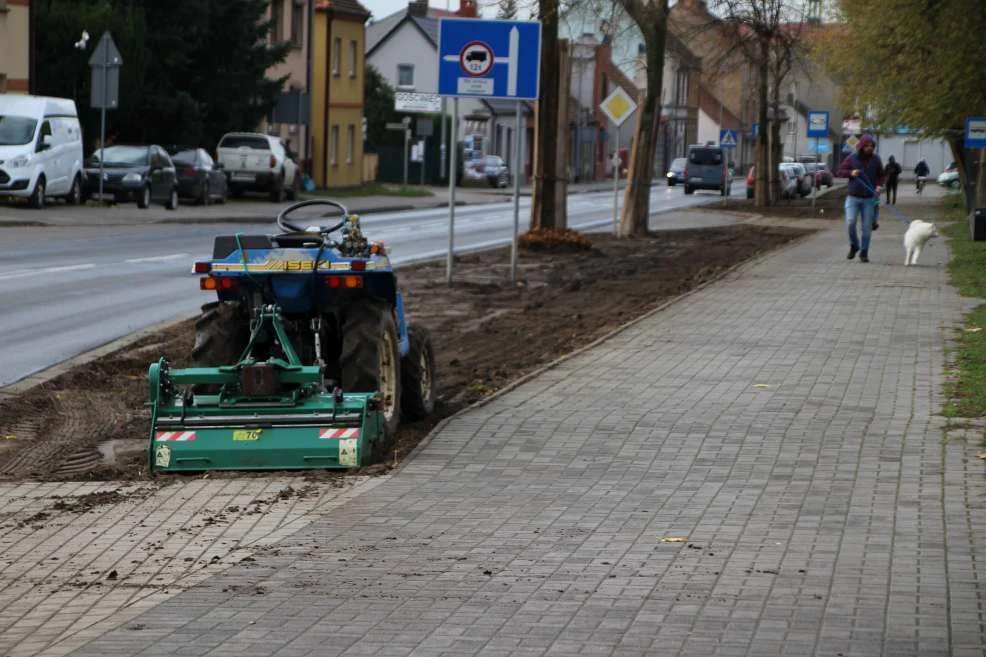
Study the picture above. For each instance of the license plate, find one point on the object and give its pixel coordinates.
(247, 434)
(243, 176)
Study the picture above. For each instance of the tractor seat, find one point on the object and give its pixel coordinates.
(298, 240)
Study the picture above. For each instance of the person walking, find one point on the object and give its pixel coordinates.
(921, 171)
(866, 176)
(893, 172)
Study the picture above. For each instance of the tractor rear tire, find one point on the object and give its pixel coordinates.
(222, 332)
(418, 390)
(370, 362)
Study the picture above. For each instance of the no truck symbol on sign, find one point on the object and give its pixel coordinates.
(476, 59)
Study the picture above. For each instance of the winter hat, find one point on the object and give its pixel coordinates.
(866, 140)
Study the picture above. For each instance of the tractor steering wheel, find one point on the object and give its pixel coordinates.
(288, 227)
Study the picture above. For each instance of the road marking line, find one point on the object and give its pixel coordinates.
(48, 270)
(164, 258)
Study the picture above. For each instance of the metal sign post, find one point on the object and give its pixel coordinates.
(616, 181)
(518, 163)
(406, 121)
(452, 171)
(618, 106)
(488, 59)
(105, 63)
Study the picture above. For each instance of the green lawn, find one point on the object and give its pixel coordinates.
(373, 189)
(966, 390)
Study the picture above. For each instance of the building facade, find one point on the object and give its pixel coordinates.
(15, 46)
(338, 75)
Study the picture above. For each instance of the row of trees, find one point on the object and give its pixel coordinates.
(918, 63)
(192, 71)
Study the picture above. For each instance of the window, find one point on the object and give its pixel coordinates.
(276, 16)
(298, 22)
(352, 59)
(350, 144)
(336, 56)
(405, 76)
(334, 146)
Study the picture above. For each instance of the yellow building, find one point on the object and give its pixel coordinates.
(15, 46)
(337, 92)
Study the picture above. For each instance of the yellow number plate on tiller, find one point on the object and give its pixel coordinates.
(247, 434)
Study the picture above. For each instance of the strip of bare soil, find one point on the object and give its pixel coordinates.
(92, 422)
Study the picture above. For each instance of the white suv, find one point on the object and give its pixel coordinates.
(257, 162)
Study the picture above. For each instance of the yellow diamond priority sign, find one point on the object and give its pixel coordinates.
(618, 106)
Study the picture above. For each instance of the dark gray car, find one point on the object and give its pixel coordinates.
(676, 172)
(199, 176)
(144, 174)
(706, 169)
(496, 171)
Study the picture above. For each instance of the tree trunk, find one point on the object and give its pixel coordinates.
(652, 21)
(563, 141)
(776, 156)
(761, 196)
(543, 208)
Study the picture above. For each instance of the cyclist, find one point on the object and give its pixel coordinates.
(921, 171)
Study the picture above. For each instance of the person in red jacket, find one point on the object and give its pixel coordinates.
(866, 176)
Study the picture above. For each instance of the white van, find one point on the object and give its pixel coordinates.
(40, 149)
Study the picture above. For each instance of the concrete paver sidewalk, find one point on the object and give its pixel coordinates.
(757, 470)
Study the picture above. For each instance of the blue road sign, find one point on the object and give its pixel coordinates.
(489, 59)
(975, 132)
(818, 124)
(727, 139)
(822, 148)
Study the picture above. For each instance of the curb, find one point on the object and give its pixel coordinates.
(510, 387)
(33, 380)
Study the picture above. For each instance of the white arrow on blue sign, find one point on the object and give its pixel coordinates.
(489, 58)
(727, 139)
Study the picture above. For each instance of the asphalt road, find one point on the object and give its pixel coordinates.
(65, 290)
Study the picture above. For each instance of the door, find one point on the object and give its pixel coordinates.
(216, 178)
(46, 155)
(160, 182)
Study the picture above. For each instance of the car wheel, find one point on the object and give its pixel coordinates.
(221, 199)
(295, 190)
(689, 190)
(37, 200)
(955, 184)
(144, 200)
(173, 201)
(75, 194)
(277, 192)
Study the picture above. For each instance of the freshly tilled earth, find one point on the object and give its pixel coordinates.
(486, 332)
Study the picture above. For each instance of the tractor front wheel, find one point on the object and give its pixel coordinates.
(370, 362)
(418, 376)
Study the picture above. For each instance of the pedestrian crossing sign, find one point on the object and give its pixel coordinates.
(727, 139)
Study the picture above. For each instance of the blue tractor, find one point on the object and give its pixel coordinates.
(305, 360)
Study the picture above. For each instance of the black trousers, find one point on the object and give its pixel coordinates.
(892, 187)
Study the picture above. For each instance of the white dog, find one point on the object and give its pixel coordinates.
(916, 238)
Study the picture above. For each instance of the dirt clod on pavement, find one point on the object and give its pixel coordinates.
(486, 330)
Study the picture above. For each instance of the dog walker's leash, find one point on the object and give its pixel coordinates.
(899, 215)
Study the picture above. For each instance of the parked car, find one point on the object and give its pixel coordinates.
(706, 169)
(199, 176)
(496, 171)
(676, 172)
(823, 177)
(802, 179)
(950, 177)
(789, 185)
(140, 173)
(261, 163)
(40, 149)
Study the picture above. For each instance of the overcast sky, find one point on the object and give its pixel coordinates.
(384, 8)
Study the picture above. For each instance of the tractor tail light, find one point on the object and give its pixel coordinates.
(209, 283)
(203, 267)
(347, 282)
